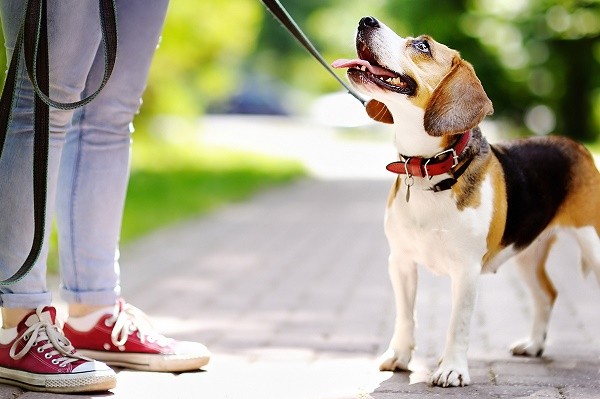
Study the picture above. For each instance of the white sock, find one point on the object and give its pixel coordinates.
(7, 335)
(85, 323)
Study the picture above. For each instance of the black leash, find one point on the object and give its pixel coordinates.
(279, 12)
(33, 38)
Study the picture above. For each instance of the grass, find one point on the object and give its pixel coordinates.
(174, 181)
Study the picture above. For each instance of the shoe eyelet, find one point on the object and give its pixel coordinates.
(48, 356)
(40, 350)
(55, 361)
(108, 323)
(26, 337)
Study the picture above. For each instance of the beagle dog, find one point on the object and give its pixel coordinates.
(459, 205)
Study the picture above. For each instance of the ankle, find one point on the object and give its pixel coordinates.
(81, 310)
(11, 317)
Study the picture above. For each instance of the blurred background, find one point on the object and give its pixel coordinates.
(538, 60)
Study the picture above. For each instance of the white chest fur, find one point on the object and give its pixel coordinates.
(410, 136)
(430, 230)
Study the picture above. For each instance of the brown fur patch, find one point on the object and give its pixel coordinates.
(393, 192)
(427, 70)
(467, 190)
(498, 223)
(458, 103)
(542, 277)
(581, 206)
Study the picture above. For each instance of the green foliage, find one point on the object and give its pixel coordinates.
(201, 54)
(539, 60)
(545, 49)
(173, 181)
(531, 55)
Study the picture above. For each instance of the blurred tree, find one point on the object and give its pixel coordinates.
(330, 25)
(201, 54)
(539, 60)
(200, 57)
(550, 52)
(3, 66)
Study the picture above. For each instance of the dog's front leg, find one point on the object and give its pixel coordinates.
(403, 275)
(453, 369)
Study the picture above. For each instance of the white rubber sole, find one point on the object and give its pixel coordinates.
(89, 381)
(149, 362)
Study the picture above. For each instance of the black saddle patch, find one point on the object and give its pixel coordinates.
(537, 172)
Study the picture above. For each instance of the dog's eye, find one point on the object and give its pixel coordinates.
(422, 46)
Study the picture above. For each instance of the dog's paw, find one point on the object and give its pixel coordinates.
(528, 347)
(450, 376)
(393, 360)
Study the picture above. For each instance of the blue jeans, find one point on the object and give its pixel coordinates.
(89, 150)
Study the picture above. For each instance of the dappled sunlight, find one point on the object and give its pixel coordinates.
(233, 377)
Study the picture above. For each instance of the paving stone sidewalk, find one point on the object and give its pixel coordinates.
(290, 292)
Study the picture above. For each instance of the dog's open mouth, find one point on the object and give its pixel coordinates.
(377, 74)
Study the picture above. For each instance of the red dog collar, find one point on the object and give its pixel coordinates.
(428, 167)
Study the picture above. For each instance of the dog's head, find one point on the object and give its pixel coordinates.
(416, 72)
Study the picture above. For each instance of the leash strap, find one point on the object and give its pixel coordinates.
(279, 12)
(33, 40)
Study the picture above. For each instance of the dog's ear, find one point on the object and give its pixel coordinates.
(379, 111)
(458, 103)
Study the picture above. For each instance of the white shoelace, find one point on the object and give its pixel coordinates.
(45, 330)
(126, 320)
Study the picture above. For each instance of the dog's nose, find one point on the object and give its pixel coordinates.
(368, 22)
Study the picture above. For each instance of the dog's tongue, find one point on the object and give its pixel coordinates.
(374, 69)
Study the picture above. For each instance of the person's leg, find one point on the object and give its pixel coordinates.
(34, 352)
(70, 61)
(92, 184)
(94, 169)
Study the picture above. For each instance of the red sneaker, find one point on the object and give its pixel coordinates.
(126, 339)
(38, 357)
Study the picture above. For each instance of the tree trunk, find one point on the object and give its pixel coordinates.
(575, 114)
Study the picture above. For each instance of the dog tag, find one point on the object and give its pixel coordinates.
(408, 181)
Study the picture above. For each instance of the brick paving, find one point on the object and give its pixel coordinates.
(290, 292)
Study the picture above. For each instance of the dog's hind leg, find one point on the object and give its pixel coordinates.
(531, 264)
(589, 242)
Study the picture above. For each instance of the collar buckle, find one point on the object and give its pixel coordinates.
(454, 156)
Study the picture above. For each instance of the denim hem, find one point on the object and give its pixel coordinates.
(94, 298)
(25, 301)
